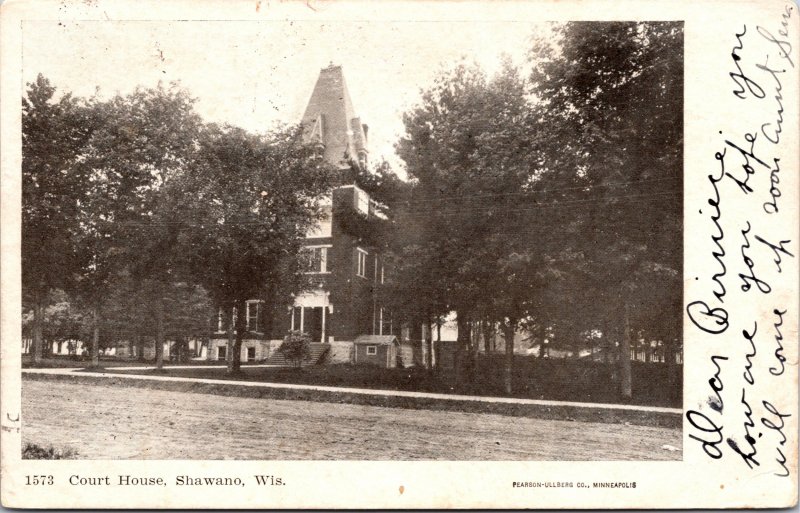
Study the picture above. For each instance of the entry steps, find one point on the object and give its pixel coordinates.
(318, 352)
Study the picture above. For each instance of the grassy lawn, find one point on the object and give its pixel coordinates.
(561, 380)
(74, 361)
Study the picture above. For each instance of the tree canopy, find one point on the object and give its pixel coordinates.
(554, 200)
(132, 203)
(54, 133)
(243, 209)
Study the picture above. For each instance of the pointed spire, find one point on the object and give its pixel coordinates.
(330, 120)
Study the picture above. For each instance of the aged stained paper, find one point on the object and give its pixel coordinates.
(711, 420)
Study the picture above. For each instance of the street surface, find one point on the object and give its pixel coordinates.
(110, 422)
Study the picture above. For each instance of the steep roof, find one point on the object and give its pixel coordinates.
(330, 119)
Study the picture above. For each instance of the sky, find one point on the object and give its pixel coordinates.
(254, 74)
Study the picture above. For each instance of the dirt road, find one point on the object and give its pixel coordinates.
(107, 422)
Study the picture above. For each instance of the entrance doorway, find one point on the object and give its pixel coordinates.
(313, 323)
(310, 320)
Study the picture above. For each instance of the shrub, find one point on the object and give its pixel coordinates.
(296, 347)
(36, 452)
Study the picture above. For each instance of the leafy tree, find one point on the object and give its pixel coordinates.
(409, 288)
(63, 321)
(612, 96)
(190, 311)
(469, 150)
(54, 132)
(139, 141)
(244, 207)
(169, 136)
(130, 313)
(545, 204)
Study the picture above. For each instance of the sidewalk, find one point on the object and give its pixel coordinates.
(563, 410)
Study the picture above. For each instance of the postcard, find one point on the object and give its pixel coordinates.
(355, 255)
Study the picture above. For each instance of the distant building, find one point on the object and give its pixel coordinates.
(346, 268)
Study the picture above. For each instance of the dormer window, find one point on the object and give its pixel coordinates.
(317, 134)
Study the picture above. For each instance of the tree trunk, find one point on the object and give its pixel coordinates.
(241, 325)
(438, 341)
(608, 342)
(178, 349)
(472, 352)
(462, 341)
(625, 358)
(159, 329)
(38, 322)
(508, 330)
(670, 357)
(211, 327)
(541, 332)
(429, 345)
(96, 335)
(139, 340)
(488, 331)
(231, 337)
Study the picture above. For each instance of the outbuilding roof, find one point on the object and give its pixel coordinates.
(377, 340)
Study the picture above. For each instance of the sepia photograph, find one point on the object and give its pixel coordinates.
(456, 254)
(310, 240)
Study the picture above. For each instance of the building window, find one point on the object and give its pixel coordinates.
(385, 322)
(316, 259)
(222, 352)
(361, 264)
(251, 354)
(253, 309)
(372, 350)
(362, 201)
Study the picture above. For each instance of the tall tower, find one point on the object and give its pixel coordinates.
(330, 120)
(345, 270)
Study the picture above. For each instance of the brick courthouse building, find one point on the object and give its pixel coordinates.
(346, 270)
